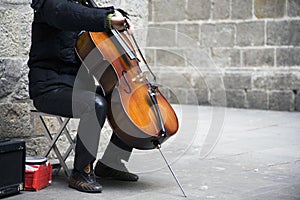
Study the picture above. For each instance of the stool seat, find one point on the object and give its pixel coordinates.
(63, 121)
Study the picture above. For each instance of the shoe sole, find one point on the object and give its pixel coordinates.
(116, 179)
(87, 191)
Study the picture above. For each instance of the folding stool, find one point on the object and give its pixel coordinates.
(63, 121)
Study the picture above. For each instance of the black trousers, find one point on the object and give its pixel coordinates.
(91, 108)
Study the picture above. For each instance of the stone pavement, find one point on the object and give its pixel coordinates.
(257, 156)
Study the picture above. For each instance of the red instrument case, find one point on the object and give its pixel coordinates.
(38, 173)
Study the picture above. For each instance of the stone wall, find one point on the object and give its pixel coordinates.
(251, 46)
(15, 28)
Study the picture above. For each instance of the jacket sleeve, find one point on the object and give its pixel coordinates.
(71, 16)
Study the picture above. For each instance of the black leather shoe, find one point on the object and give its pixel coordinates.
(103, 171)
(84, 182)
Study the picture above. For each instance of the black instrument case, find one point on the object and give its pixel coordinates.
(12, 167)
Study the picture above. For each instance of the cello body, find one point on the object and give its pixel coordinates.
(132, 113)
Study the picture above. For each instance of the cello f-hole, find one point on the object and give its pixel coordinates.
(126, 81)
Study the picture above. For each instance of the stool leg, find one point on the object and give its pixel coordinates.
(53, 145)
(67, 134)
(59, 132)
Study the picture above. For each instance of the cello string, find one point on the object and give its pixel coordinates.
(123, 43)
(143, 57)
(172, 172)
(137, 47)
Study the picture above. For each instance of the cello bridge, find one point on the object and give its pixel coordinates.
(141, 77)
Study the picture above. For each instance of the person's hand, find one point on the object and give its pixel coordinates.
(119, 22)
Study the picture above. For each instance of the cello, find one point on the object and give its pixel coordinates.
(138, 112)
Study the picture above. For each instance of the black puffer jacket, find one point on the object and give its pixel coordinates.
(52, 60)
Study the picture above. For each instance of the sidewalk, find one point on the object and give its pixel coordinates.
(257, 157)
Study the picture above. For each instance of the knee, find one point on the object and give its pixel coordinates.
(101, 109)
(101, 105)
(88, 104)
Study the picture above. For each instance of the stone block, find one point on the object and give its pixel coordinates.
(293, 8)
(237, 81)
(283, 32)
(192, 97)
(217, 97)
(297, 101)
(15, 120)
(172, 79)
(282, 100)
(217, 35)
(150, 10)
(257, 99)
(260, 81)
(214, 82)
(150, 56)
(276, 80)
(198, 9)
(250, 34)
(198, 59)
(241, 9)
(161, 35)
(169, 58)
(295, 80)
(288, 56)
(188, 35)
(168, 10)
(221, 9)
(11, 73)
(21, 87)
(198, 89)
(178, 96)
(25, 16)
(236, 98)
(15, 26)
(197, 80)
(226, 57)
(9, 29)
(269, 8)
(202, 97)
(16, 2)
(258, 57)
(286, 80)
(36, 146)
